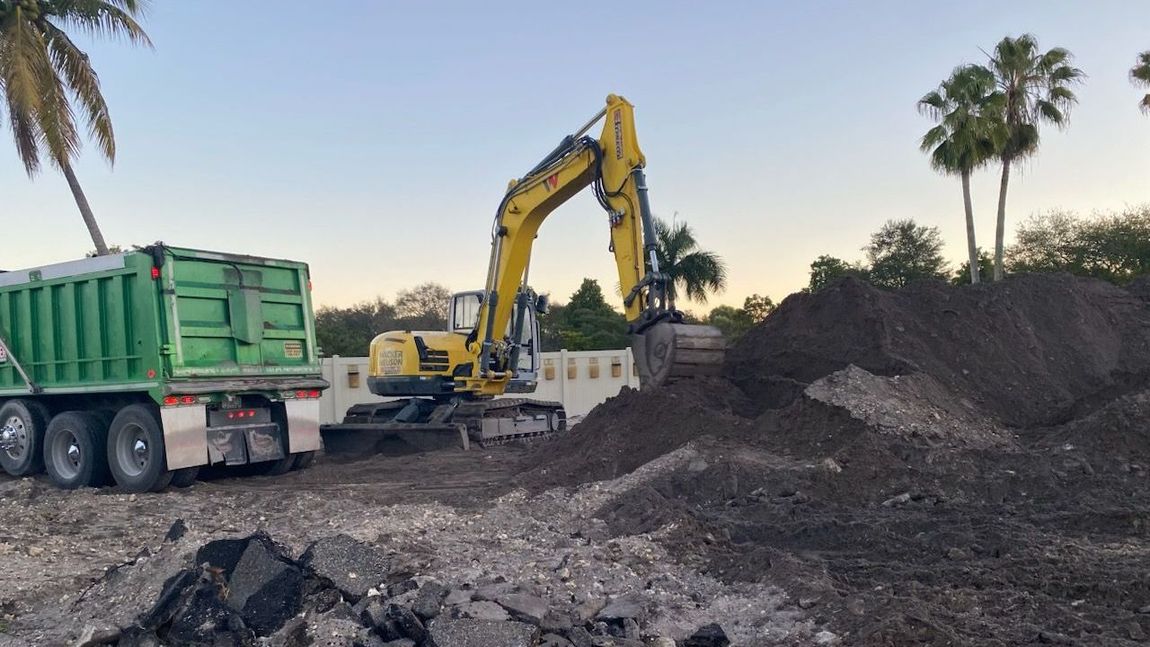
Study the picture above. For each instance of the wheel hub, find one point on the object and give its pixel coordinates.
(140, 451)
(14, 437)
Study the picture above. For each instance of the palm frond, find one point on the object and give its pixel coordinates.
(26, 135)
(82, 80)
(23, 62)
(106, 18)
(56, 121)
(1140, 73)
(700, 273)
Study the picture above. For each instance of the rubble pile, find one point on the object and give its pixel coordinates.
(344, 593)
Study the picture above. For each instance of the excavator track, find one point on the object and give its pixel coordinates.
(496, 422)
(422, 424)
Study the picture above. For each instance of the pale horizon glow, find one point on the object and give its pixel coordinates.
(374, 142)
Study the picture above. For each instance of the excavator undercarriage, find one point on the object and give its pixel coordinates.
(423, 424)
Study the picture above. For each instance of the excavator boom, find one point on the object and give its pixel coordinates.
(444, 382)
(613, 166)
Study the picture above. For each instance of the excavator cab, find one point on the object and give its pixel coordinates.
(463, 317)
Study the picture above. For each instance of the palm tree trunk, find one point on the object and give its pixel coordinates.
(1000, 227)
(971, 247)
(85, 211)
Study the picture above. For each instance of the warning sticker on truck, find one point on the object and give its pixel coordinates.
(293, 350)
(3, 354)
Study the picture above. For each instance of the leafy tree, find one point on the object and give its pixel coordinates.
(43, 73)
(1047, 242)
(586, 322)
(901, 252)
(985, 268)
(348, 331)
(758, 307)
(692, 270)
(733, 322)
(1140, 77)
(969, 132)
(423, 307)
(1036, 88)
(1114, 247)
(825, 269)
(551, 328)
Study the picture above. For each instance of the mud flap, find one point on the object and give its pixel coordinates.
(243, 445)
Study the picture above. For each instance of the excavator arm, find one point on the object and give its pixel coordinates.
(613, 166)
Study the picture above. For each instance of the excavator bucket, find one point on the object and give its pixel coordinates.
(667, 352)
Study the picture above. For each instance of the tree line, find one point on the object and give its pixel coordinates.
(586, 322)
(1112, 246)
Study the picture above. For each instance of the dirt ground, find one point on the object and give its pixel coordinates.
(936, 466)
(453, 516)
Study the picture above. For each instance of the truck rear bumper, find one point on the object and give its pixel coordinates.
(186, 432)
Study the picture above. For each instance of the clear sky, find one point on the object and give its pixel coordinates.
(374, 139)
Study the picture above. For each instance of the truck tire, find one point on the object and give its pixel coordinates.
(185, 477)
(276, 468)
(28, 420)
(303, 460)
(75, 450)
(136, 450)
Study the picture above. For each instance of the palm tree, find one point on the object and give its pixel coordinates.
(42, 73)
(1036, 88)
(968, 135)
(1140, 76)
(689, 268)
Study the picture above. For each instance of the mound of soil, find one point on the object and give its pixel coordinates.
(1027, 351)
(935, 465)
(634, 428)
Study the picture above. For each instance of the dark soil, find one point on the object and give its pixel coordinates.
(1029, 351)
(994, 493)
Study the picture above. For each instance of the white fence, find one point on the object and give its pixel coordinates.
(578, 379)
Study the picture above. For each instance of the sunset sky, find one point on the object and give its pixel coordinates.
(374, 139)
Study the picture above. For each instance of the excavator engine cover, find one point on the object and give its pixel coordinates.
(667, 352)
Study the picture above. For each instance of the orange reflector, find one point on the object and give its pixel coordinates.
(301, 394)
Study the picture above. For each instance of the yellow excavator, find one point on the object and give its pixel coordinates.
(448, 380)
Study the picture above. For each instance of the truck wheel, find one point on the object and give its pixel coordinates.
(25, 421)
(185, 477)
(276, 468)
(303, 460)
(75, 455)
(136, 450)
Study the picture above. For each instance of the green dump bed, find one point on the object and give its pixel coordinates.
(162, 320)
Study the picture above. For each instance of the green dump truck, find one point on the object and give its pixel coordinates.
(142, 367)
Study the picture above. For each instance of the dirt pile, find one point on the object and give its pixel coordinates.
(1028, 351)
(937, 465)
(634, 428)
